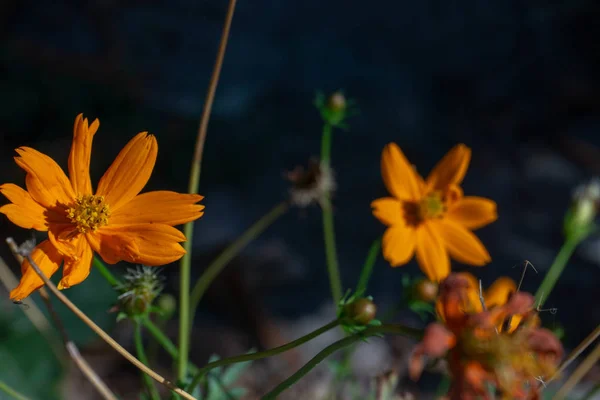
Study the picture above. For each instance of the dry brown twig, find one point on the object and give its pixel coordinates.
(24, 252)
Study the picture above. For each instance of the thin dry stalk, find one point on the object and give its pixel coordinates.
(103, 335)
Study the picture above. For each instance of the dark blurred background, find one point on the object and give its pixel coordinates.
(516, 81)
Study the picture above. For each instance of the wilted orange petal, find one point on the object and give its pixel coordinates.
(47, 258)
(431, 253)
(63, 237)
(451, 169)
(462, 244)
(75, 270)
(46, 182)
(388, 210)
(473, 212)
(399, 176)
(160, 207)
(130, 171)
(499, 292)
(79, 158)
(24, 211)
(398, 244)
(148, 244)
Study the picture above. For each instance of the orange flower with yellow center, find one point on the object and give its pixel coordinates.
(431, 217)
(116, 221)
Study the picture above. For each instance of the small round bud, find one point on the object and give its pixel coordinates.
(425, 290)
(336, 102)
(361, 311)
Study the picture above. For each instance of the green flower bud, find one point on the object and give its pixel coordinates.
(167, 304)
(425, 290)
(361, 311)
(139, 289)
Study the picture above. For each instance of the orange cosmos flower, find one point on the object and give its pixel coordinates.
(431, 217)
(116, 221)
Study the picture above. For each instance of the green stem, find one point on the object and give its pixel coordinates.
(165, 342)
(11, 392)
(139, 347)
(217, 265)
(367, 269)
(330, 252)
(340, 344)
(262, 354)
(104, 271)
(326, 143)
(557, 267)
(591, 394)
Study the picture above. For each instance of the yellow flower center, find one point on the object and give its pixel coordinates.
(89, 213)
(432, 206)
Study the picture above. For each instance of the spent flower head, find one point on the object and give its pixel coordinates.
(114, 220)
(310, 185)
(140, 287)
(431, 217)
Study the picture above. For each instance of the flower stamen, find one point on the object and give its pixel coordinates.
(89, 213)
(432, 206)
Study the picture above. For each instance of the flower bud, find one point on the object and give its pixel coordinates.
(584, 209)
(425, 290)
(167, 304)
(336, 103)
(361, 311)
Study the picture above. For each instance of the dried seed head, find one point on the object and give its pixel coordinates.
(310, 185)
(140, 287)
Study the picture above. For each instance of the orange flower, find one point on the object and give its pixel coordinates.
(431, 217)
(116, 222)
(478, 354)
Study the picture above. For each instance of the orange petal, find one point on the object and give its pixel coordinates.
(64, 238)
(499, 292)
(78, 268)
(451, 169)
(388, 210)
(462, 244)
(473, 212)
(46, 182)
(431, 254)
(130, 171)
(398, 244)
(160, 207)
(399, 176)
(81, 150)
(24, 211)
(47, 258)
(148, 244)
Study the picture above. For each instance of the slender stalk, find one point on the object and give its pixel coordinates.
(591, 338)
(263, 354)
(139, 348)
(330, 251)
(105, 272)
(165, 342)
(367, 269)
(11, 392)
(556, 269)
(103, 335)
(186, 261)
(69, 345)
(326, 143)
(579, 372)
(217, 265)
(340, 344)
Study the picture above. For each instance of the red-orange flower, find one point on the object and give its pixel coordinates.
(115, 221)
(431, 217)
(478, 353)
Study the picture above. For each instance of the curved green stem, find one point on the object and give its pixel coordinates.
(165, 342)
(105, 272)
(262, 354)
(340, 344)
(139, 347)
(557, 267)
(217, 265)
(367, 269)
(11, 392)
